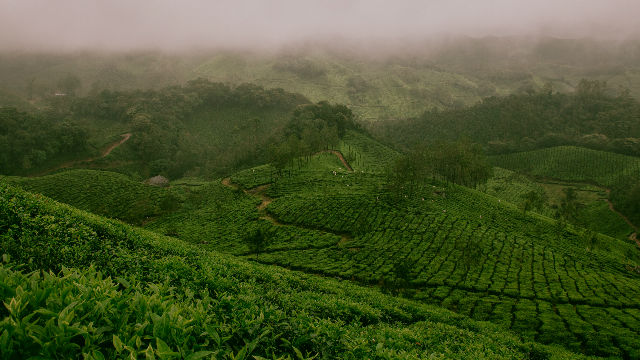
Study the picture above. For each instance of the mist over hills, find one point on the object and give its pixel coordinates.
(376, 79)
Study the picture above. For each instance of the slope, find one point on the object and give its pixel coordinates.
(194, 300)
(571, 163)
(101, 192)
(451, 246)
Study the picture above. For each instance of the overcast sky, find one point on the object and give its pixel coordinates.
(185, 24)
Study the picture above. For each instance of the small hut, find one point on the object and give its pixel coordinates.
(157, 181)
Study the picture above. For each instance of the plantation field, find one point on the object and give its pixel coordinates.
(593, 210)
(464, 250)
(102, 192)
(571, 163)
(471, 252)
(193, 303)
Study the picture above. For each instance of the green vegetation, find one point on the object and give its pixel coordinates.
(376, 81)
(29, 141)
(464, 250)
(103, 193)
(592, 210)
(571, 163)
(174, 131)
(286, 231)
(590, 117)
(619, 173)
(190, 302)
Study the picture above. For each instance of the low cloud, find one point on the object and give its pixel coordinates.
(182, 25)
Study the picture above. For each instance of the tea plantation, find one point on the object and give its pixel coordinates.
(76, 285)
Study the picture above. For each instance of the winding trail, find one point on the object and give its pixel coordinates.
(259, 192)
(634, 235)
(104, 153)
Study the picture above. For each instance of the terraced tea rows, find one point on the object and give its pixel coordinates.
(592, 212)
(461, 253)
(101, 192)
(572, 164)
(191, 303)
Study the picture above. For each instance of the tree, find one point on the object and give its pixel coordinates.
(256, 241)
(533, 200)
(568, 209)
(460, 162)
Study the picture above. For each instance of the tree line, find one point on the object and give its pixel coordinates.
(461, 162)
(593, 116)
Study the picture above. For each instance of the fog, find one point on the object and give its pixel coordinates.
(200, 24)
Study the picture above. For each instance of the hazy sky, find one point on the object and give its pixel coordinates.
(171, 25)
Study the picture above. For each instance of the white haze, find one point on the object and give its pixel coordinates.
(62, 25)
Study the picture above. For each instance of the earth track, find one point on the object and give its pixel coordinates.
(634, 235)
(340, 156)
(104, 153)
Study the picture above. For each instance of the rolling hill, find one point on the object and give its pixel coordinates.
(449, 246)
(196, 304)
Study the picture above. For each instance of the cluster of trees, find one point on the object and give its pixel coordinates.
(461, 162)
(199, 128)
(203, 127)
(312, 128)
(625, 196)
(593, 116)
(28, 141)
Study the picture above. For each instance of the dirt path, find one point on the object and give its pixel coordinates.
(259, 192)
(106, 152)
(634, 235)
(340, 156)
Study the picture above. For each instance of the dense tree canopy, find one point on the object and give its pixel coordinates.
(460, 162)
(593, 116)
(30, 140)
(202, 127)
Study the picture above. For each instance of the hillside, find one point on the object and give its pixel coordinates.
(618, 174)
(592, 208)
(449, 246)
(457, 248)
(174, 130)
(102, 192)
(571, 163)
(192, 302)
(377, 81)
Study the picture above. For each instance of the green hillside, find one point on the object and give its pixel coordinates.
(377, 81)
(102, 192)
(198, 304)
(476, 254)
(457, 248)
(572, 163)
(592, 210)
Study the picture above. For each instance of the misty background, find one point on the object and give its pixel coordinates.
(42, 25)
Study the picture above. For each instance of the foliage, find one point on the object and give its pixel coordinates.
(104, 193)
(189, 300)
(590, 117)
(533, 200)
(459, 162)
(29, 141)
